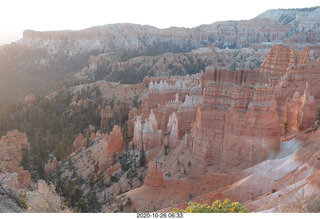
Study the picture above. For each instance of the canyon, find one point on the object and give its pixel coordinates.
(148, 119)
(236, 136)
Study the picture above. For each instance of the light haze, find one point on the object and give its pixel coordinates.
(44, 15)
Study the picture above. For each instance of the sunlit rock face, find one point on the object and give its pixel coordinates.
(151, 136)
(116, 143)
(51, 166)
(288, 71)
(237, 122)
(13, 146)
(79, 142)
(240, 109)
(154, 175)
(186, 113)
(235, 118)
(299, 111)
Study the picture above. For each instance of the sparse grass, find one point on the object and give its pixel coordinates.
(302, 204)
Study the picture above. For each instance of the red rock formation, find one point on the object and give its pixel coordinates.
(224, 75)
(276, 63)
(93, 137)
(82, 103)
(151, 136)
(168, 109)
(147, 134)
(235, 104)
(154, 175)
(299, 111)
(90, 129)
(12, 148)
(133, 114)
(173, 138)
(300, 69)
(51, 166)
(239, 116)
(116, 143)
(160, 94)
(236, 124)
(163, 92)
(137, 134)
(79, 142)
(187, 114)
(111, 170)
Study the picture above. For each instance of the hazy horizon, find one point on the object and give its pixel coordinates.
(77, 15)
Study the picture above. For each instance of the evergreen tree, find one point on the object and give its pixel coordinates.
(285, 128)
(142, 159)
(318, 115)
(26, 161)
(92, 202)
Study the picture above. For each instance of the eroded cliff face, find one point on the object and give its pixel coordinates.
(208, 133)
(237, 122)
(13, 147)
(233, 119)
(232, 130)
(299, 111)
(288, 71)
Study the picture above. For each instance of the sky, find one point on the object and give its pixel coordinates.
(44, 15)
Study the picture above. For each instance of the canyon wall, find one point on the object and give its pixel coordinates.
(232, 118)
(288, 71)
(237, 122)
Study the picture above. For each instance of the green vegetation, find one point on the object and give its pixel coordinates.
(50, 127)
(285, 129)
(301, 128)
(142, 158)
(166, 149)
(216, 207)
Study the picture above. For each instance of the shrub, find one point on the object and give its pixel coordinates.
(301, 128)
(216, 207)
(302, 204)
(285, 128)
(142, 158)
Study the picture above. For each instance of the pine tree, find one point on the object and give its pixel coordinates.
(142, 159)
(285, 128)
